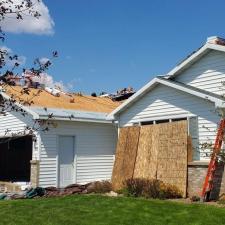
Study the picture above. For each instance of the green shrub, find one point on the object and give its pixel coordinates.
(135, 187)
(169, 191)
(99, 187)
(151, 189)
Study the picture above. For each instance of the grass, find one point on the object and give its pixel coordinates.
(100, 210)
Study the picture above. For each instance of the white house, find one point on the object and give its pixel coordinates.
(78, 147)
(192, 91)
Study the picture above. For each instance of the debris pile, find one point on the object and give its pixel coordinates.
(120, 95)
(216, 40)
(69, 190)
(13, 187)
(48, 192)
(123, 94)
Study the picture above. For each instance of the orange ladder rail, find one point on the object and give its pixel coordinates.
(208, 183)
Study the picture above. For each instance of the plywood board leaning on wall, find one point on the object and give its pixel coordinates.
(172, 154)
(152, 152)
(146, 161)
(125, 156)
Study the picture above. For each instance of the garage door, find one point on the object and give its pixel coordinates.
(160, 152)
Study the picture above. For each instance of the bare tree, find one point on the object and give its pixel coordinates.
(19, 9)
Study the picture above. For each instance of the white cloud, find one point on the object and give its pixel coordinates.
(49, 81)
(44, 60)
(6, 49)
(21, 60)
(43, 25)
(67, 87)
(72, 84)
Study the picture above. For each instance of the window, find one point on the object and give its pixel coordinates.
(147, 123)
(162, 121)
(179, 119)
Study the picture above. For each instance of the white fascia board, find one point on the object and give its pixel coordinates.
(193, 57)
(26, 109)
(202, 51)
(57, 118)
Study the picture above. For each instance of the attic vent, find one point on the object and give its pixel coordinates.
(216, 40)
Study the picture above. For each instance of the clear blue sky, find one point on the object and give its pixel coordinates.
(105, 45)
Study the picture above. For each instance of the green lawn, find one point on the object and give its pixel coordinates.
(99, 210)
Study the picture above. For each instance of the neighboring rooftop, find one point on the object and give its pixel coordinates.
(41, 98)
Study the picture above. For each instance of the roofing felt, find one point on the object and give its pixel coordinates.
(69, 102)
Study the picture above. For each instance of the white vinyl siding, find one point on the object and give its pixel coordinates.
(16, 123)
(94, 167)
(95, 146)
(208, 73)
(167, 103)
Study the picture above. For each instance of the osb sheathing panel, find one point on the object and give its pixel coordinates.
(125, 156)
(172, 154)
(159, 152)
(117, 176)
(146, 161)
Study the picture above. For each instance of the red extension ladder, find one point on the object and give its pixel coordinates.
(208, 184)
